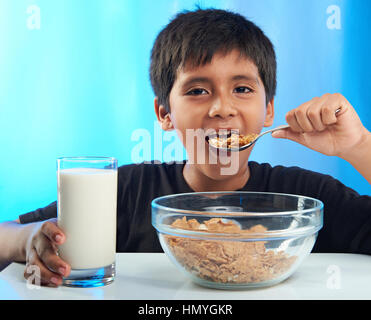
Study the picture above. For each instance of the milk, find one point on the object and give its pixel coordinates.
(87, 215)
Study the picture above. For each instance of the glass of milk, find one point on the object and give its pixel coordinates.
(87, 199)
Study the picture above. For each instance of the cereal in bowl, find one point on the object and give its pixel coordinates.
(227, 261)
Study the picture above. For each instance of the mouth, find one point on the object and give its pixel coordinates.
(222, 137)
(221, 132)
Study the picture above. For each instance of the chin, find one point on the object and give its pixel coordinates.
(223, 169)
(220, 167)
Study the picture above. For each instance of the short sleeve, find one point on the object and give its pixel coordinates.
(41, 214)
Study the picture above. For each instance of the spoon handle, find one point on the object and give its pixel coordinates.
(284, 126)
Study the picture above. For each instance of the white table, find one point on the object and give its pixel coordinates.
(148, 276)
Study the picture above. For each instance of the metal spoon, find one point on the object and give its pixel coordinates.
(284, 126)
(250, 143)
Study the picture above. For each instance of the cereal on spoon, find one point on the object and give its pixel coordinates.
(233, 141)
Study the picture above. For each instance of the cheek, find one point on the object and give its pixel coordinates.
(255, 122)
(184, 118)
(180, 125)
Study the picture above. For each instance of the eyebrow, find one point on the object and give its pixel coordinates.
(247, 78)
(194, 80)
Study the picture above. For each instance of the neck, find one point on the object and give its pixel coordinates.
(201, 182)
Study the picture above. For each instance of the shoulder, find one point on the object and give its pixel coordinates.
(291, 179)
(152, 167)
(284, 171)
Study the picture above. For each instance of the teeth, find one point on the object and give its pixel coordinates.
(223, 133)
(226, 132)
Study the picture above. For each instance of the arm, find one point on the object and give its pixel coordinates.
(360, 159)
(315, 125)
(13, 238)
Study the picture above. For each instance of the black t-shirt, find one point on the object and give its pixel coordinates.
(347, 215)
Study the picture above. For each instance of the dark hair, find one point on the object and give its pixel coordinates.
(195, 36)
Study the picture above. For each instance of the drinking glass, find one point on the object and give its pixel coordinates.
(87, 200)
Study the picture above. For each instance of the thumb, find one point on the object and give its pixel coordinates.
(289, 134)
(280, 134)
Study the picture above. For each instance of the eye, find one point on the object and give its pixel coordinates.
(242, 90)
(196, 92)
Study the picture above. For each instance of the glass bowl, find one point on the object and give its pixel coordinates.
(231, 240)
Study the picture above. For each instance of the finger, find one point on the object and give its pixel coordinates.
(329, 114)
(45, 275)
(53, 232)
(289, 134)
(33, 276)
(303, 120)
(315, 117)
(291, 121)
(282, 134)
(46, 252)
(298, 119)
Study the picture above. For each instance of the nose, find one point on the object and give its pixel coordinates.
(223, 108)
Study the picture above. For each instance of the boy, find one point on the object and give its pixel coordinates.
(214, 70)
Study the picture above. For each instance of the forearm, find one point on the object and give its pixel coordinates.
(13, 240)
(360, 158)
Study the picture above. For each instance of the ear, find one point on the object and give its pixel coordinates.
(269, 115)
(163, 116)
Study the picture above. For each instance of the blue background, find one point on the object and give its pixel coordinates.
(79, 84)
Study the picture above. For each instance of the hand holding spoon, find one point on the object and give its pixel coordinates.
(251, 141)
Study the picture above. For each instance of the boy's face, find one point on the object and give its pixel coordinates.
(226, 93)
